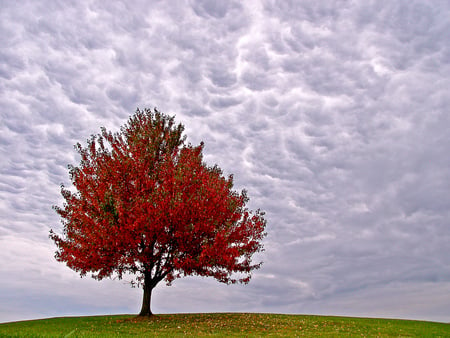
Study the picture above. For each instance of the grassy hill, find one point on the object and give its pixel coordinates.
(222, 324)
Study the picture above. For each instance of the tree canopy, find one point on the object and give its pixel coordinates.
(146, 204)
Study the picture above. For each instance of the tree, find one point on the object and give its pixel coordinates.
(147, 205)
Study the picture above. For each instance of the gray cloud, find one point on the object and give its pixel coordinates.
(333, 117)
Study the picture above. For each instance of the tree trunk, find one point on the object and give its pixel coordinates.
(147, 298)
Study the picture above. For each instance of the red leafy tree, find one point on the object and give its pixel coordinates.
(146, 204)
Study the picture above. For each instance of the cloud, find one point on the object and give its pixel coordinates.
(332, 116)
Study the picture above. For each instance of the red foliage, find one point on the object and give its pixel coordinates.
(145, 203)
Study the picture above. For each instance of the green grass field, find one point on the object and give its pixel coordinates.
(222, 325)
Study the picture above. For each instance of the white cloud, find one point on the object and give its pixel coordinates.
(333, 117)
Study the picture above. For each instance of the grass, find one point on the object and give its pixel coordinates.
(222, 325)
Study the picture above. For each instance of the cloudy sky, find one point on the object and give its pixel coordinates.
(334, 115)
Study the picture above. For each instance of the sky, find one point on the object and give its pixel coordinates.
(333, 115)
